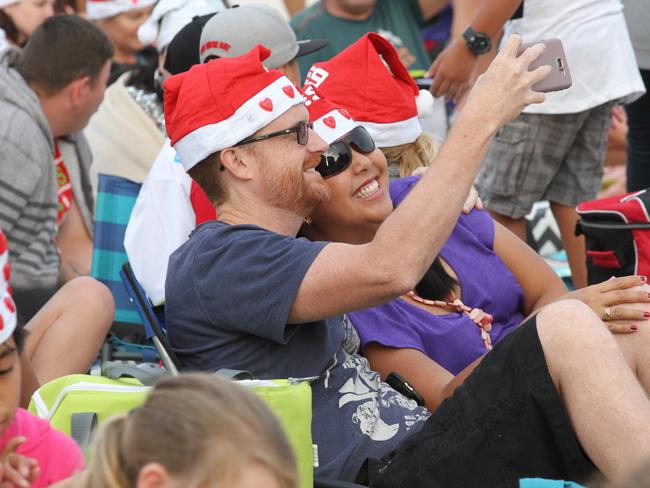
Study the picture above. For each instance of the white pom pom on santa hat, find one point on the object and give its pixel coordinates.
(424, 103)
(148, 33)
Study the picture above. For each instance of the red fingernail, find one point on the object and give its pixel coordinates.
(646, 314)
(633, 328)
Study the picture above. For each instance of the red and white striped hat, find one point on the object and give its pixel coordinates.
(7, 307)
(330, 121)
(215, 105)
(369, 81)
(102, 9)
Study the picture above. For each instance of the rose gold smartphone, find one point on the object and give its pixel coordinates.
(560, 77)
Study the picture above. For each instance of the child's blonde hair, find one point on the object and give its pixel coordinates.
(200, 428)
(408, 157)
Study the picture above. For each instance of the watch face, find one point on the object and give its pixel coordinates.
(480, 43)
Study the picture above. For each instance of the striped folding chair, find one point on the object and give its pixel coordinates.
(115, 199)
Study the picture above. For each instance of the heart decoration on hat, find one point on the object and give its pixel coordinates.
(289, 91)
(345, 113)
(267, 105)
(9, 303)
(330, 122)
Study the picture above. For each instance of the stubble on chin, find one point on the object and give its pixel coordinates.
(290, 190)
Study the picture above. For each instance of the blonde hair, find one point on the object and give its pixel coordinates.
(200, 428)
(408, 157)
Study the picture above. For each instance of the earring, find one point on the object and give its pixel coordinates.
(307, 221)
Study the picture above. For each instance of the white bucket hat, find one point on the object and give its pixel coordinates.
(103, 9)
(170, 16)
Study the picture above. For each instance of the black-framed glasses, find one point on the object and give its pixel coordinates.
(339, 155)
(301, 130)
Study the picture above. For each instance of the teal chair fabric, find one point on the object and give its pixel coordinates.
(543, 483)
(116, 197)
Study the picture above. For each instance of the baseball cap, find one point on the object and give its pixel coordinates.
(237, 30)
(183, 50)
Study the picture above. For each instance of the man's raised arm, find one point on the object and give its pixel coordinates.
(349, 277)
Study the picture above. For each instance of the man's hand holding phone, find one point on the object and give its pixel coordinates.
(505, 89)
(553, 56)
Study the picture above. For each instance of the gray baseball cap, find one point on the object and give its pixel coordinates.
(237, 30)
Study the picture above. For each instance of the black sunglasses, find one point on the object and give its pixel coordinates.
(339, 155)
(301, 130)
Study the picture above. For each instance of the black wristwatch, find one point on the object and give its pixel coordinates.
(477, 42)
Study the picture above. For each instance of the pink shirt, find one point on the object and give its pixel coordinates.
(58, 455)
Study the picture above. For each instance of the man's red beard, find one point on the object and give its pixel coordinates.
(288, 188)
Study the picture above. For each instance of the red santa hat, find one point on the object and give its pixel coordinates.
(330, 121)
(215, 105)
(369, 81)
(103, 9)
(7, 307)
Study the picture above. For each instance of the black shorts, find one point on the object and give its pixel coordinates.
(29, 302)
(504, 423)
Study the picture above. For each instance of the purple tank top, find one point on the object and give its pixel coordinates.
(452, 340)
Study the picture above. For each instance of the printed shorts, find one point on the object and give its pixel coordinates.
(545, 157)
(507, 421)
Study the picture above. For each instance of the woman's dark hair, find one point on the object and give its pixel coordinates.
(143, 77)
(436, 284)
(7, 25)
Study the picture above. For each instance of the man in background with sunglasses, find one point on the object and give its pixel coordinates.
(244, 293)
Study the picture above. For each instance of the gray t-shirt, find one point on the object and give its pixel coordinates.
(229, 291)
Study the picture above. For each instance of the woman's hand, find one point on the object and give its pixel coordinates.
(610, 300)
(15, 469)
(473, 201)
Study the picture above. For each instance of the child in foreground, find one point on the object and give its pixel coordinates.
(193, 430)
(31, 452)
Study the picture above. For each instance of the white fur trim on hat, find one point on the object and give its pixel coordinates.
(247, 119)
(7, 306)
(6, 3)
(424, 103)
(393, 133)
(333, 126)
(103, 9)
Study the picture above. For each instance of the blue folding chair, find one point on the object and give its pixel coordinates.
(154, 324)
(115, 200)
(152, 319)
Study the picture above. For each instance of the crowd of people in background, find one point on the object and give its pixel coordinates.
(331, 190)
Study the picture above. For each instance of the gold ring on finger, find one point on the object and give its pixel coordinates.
(607, 313)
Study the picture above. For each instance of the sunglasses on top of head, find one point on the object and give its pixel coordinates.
(339, 155)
